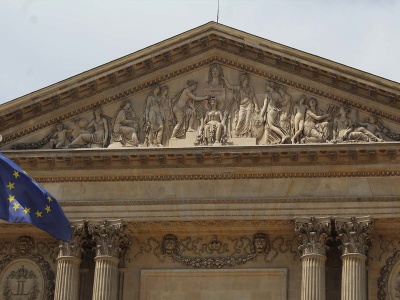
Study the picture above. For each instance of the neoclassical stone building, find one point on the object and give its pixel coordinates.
(213, 165)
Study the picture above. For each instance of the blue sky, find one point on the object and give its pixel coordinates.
(46, 41)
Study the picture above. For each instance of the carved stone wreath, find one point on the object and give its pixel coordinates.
(383, 280)
(244, 248)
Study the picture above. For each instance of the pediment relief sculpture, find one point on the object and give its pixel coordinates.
(214, 106)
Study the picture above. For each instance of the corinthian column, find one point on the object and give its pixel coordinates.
(313, 236)
(355, 235)
(108, 236)
(68, 261)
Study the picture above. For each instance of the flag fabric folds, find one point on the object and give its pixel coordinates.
(22, 200)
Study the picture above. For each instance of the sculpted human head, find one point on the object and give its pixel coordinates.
(312, 102)
(169, 244)
(126, 105)
(260, 243)
(192, 84)
(244, 79)
(164, 90)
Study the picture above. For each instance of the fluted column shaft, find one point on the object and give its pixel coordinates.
(105, 285)
(355, 236)
(353, 277)
(313, 235)
(67, 281)
(313, 277)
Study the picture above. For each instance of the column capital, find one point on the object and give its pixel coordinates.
(354, 233)
(313, 234)
(108, 236)
(74, 247)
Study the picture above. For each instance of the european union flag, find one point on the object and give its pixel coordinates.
(22, 200)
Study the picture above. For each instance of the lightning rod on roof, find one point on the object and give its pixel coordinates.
(218, 12)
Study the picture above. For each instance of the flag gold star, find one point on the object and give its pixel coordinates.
(11, 198)
(27, 210)
(10, 185)
(38, 214)
(47, 208)
(16, 206)
(49, 198)
(16, 174)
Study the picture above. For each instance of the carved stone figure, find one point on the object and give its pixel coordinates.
(153, 118)
(125, 127)
(345, 130)
(372, 126)
(184, 110)
(95, 138)
(168, 115)
(286, 107)
(59, 139)
(213, 127)
(271, 112)
(299, 112)
(246, 104)
(315, 131)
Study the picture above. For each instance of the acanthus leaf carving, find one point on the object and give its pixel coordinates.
(355, 234)
(314, 233)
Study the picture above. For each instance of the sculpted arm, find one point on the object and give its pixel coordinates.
(265, 105)
(228, 84)
(315, 117)
(195, 98)
(105, 123)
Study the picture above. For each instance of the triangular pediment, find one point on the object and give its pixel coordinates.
(263, 111)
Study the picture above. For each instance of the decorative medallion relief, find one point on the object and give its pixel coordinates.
(389, 281)
(216, 106)
(22, 280)
(24, 273)
(213, 253)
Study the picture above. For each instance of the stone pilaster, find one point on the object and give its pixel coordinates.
(68, 261)
(355, 236)
(108, 236)
(313, 236)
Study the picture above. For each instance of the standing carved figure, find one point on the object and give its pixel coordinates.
(315, 131)
(153, 118)
(168, 115)
(184, 110)
(98, 138)
(213, 128)
(246, 99)
(125, 129)
(271, 111)
(299, 111)
(286, 107)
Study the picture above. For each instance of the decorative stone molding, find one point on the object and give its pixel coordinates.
(230, 156)
(313, 235)
(354, 233)
(237, 250)
(108, 236)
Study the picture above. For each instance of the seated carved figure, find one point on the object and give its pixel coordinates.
(97, 138)
(315, 131)
(125, 127)
(213, 127)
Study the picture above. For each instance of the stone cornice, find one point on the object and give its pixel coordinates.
(176, 50)
(383, 156)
